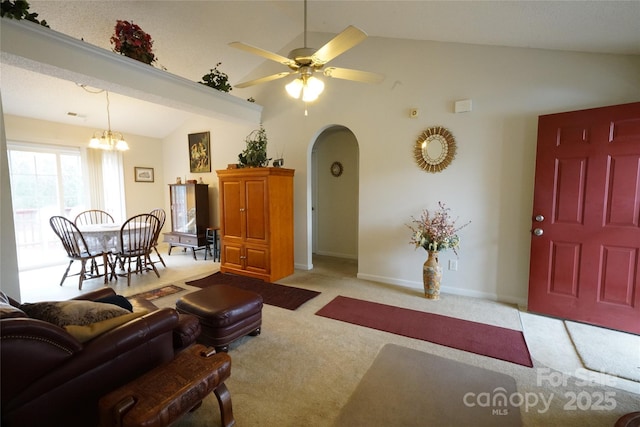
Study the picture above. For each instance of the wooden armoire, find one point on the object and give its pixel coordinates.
(256, 222)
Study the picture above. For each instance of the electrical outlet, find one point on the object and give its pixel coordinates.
(453, 265)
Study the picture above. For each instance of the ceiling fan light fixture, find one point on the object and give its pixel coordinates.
(305, 61)
(294, 88)
(307, 87)
(312, 89)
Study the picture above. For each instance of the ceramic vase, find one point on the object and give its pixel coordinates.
(431, 276)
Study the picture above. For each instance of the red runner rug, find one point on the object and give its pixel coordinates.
(281, 296)
(479, 338)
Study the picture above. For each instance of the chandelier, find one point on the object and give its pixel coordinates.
(108, 139)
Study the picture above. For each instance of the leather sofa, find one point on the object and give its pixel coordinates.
(50, 378)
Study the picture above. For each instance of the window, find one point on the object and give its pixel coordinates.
(54, 180)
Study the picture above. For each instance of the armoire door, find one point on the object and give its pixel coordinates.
(231, 207)
(255, 209)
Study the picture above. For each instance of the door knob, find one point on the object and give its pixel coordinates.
(538, 232)
(539, 218)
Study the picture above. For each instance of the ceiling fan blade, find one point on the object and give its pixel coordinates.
(344, 41)
(264, 53)
(264, 79)
(355, 75)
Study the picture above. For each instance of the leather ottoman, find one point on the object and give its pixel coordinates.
(164, 394)
(184, 334)
(226, 313)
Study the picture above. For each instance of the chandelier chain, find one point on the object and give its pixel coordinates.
(108, 140)
(108, 114)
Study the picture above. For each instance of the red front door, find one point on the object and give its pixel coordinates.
(585, 243)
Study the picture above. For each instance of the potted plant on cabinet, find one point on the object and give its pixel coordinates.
(255, 154)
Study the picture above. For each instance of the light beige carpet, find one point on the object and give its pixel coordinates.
(407, 387)
(302, 369)
(603, 350)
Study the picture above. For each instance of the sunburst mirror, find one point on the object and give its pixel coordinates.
(435, 148)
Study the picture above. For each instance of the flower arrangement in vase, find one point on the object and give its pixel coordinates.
(130, 40)
(434, 231)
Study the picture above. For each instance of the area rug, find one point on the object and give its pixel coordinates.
(605, 350)
(158, 293)
(479, 338)
(274, 294)
(407, 387)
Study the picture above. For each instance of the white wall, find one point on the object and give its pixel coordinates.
(139, 196)
(490, 182)
(9, 278)
(227, 141)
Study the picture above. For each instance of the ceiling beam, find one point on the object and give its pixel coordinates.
(31, 46)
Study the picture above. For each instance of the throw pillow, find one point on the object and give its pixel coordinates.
(72, 312)
(85, 333)
(8, 311)
(118, 300)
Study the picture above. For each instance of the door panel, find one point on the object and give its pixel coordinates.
(564, 281)
(256, 210)
(257, 259)
(586, 243)
(570, 177)
(624, 187)
(619, 266)
(231, 205)
(232, 256)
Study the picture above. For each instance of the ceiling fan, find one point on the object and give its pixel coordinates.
(306, 61)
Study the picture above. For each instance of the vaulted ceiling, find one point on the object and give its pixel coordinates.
(191, 37)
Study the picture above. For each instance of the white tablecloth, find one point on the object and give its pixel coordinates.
(101, 237)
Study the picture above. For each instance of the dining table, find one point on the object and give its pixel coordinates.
(101, 237)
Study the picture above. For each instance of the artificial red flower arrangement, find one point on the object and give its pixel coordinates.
(130, 40)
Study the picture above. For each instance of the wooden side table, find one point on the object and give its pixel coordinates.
(166, 393)
(213, 237)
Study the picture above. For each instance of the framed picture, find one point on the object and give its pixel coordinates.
(143, 174)
(200, 152)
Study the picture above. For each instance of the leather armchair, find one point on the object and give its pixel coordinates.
(50, 378)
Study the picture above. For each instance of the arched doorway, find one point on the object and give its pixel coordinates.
(334, 190)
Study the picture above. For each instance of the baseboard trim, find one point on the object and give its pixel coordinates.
(337, 255)
(445, 289)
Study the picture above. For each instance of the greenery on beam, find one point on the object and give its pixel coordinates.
(19, 9)
(217, 79)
